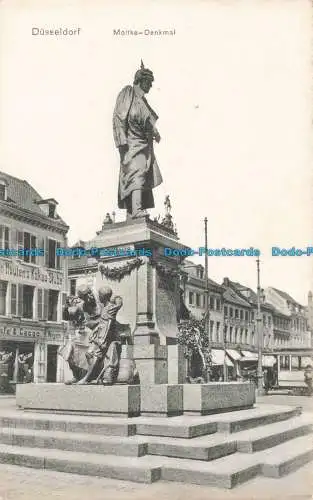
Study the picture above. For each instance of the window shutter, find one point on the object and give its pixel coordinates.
(45, 304)
(47, 252)
(39, 303)
(33, 245)
(58, 258)
(20, 305)
(13, 299)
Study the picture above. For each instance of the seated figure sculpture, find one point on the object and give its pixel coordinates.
(94, 355)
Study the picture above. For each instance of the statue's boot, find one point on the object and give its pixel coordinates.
(137, 210)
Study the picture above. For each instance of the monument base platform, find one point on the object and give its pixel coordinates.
(112, 401)
(167, 400)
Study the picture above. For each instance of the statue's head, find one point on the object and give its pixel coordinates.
(85, 293)
(144, 78)
(105, 294)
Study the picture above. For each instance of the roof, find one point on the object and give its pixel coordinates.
(286, 296)
(22, 195)
(231, 296)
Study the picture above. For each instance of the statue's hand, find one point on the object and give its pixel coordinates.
(157, 136)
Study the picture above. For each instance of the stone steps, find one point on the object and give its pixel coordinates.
(225, 472)
(106, 426)
(140, 470)
(132, 446)
(218, 450)
(229, 471)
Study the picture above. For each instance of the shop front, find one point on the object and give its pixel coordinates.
(29, 352)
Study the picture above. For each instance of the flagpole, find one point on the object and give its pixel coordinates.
(207, 313)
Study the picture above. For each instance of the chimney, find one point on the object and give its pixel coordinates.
(226, 282)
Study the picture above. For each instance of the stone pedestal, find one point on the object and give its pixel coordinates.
(151, 363)
(161, 400)
(216, 397)
(150, 290)
(113, 401)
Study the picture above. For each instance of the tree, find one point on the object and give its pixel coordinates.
(192, 336)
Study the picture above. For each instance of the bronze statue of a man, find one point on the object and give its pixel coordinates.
(134, 129)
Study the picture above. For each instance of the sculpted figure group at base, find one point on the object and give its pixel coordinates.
(94, 354)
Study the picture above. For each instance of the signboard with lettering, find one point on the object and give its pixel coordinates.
(22, 271)
(10, 332)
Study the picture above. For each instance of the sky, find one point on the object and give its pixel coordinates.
(233, 93)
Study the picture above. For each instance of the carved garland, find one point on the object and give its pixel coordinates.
(117, 273)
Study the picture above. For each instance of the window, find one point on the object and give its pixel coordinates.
(218, 304)
(3, 296)
(27, 301)
(269, 320)
(211, 330)
(236, 313)
(4, 236)
(231, 312)
(3, 192)
(246, 336)
(200, 272)
(53, 305)
(264, 319)
(241, 314)
(230, 334)
(212, 302)
(241, 336)
(225, 311)
(236, 335)
(218, 325)
(13, 299)
(52, 260)
(190, 297)
(252, 315)
(29, 242)
(72, 287)
(198, 300)
(246, 316)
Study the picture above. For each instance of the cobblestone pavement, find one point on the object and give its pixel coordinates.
(20, 483)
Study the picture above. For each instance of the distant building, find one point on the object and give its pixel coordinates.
(33, 284)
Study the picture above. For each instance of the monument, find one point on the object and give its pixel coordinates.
(140, 259)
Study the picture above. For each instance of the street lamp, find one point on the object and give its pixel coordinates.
(224, 346)
(259, 332)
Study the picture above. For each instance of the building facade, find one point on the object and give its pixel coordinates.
(33, 279)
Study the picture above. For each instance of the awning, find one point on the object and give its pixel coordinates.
(218, 357)
(268, 361)
(235, 355)
(249, 356)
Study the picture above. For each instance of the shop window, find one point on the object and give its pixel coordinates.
(3, 296)
(190, 297)
(13, 299)
(53, 305)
